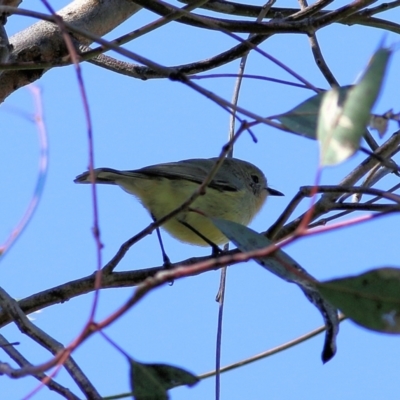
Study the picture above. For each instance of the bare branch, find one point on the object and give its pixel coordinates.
(14, 354)
(12, 308)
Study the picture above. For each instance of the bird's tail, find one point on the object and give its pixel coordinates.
(101, 175)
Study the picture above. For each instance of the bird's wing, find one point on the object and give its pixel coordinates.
(194, 170)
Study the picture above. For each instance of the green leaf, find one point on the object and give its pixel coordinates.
(285, 267)
(279, 263)
(341, 124)
(371, 300)
(151, 381)
(303, 119)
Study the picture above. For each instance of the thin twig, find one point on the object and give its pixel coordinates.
(221, 291)
(270, 352)
(378, 9)
(316, 50)
(85, 103)
(251, 76)
(320, 61)
(308, 11)
(341, 13)
(308, 191)
(383, 208)
(42, 173)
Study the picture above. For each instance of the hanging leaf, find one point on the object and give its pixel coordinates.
(279, 263)
(303, 118)
(371, 300)
(379, 123)
(285, 267)
(151, 381)
(341, 124)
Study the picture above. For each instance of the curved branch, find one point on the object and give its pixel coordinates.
(60, 294)
(15, 355)
(144, 72)
(200, 21)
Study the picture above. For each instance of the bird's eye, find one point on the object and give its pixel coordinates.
(255, 178)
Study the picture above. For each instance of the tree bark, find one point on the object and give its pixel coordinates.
(43, 42)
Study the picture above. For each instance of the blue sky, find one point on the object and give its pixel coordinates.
(138, 123)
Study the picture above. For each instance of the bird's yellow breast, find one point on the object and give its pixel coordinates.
(238, 206)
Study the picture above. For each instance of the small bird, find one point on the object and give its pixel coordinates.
(236, 193)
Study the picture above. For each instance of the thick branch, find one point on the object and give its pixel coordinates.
(43, 42)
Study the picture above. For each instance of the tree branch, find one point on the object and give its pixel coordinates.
(12, 308)
(43, 41)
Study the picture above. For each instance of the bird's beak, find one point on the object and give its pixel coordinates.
(273, 192)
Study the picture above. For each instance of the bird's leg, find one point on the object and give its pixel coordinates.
(166, 260)
(215, 249)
